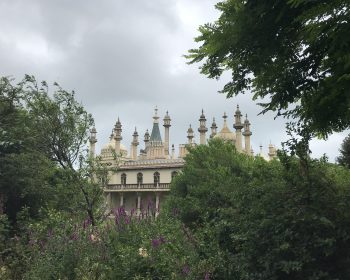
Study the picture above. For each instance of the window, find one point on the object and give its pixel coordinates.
(156, 177)
(139, 178)
(123, 179)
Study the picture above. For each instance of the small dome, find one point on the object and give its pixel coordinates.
(111, 146)
(225, 133)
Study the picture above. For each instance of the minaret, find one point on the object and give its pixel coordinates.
(190, 136)
(247, 133)
(166, 132)
(272, 151)
(213, 129)
(238, 126)
(92, 140)
(156, 145)
(172, 151)
(134, 144)
(117, 136)
(146, 139)
(202, 128)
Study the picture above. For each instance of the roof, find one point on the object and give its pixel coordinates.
(152, 164)
(155, 136)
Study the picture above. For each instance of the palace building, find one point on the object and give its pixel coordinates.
(143, 176)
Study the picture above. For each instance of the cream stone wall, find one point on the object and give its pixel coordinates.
(148, 199)
(131, 176)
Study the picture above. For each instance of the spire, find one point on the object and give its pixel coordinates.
(155, 134)
(146, 136)
(155, 117)
(134, 144)
(238, 115)
(246, 126)
(92, 140)
(167, 120)
(190, 134)
(202, 128)
(213, 129)
(135, 136)
(92, 137)
(118, 131)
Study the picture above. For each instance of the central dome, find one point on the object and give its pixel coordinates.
(225, 133)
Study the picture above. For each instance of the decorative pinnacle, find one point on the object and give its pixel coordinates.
(202, 128)
(190, 134)
(146, 136)
(238, 125)
(155, 117)
(93, 133)
(166, 120)
(135, 133)
(213, 125)
(246, 131)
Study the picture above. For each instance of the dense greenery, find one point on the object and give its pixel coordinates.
(294, 53)
(344, 158)
(228, 215)
(265, 220)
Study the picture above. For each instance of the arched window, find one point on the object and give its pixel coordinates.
(173, 174)
(139, 178)
(156, 177)
(123, 179)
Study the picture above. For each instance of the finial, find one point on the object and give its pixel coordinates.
(155, 117)
(224, 116)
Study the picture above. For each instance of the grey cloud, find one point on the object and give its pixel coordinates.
(124, 57)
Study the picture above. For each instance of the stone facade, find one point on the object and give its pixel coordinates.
(143, 179)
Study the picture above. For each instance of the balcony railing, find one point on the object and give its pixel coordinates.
(136, 187)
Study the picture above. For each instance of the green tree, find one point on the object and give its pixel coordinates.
(65, 125)
(43, 151)
(24, 169)
(294, 54)
(344, 158)
(252, 219)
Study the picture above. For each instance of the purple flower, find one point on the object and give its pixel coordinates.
(74, 236)
(155, 243)
(158, 241)
(206, 276)
(186, 270)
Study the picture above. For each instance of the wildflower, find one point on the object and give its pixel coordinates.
(143, 252)
(74, 236)
(94, 238)
(186, 270)
(206, 276)
(155, 243)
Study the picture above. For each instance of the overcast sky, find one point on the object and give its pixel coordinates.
(123, 58)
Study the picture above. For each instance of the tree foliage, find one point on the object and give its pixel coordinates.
(344, 158)
(254, 219)
(294, 53)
